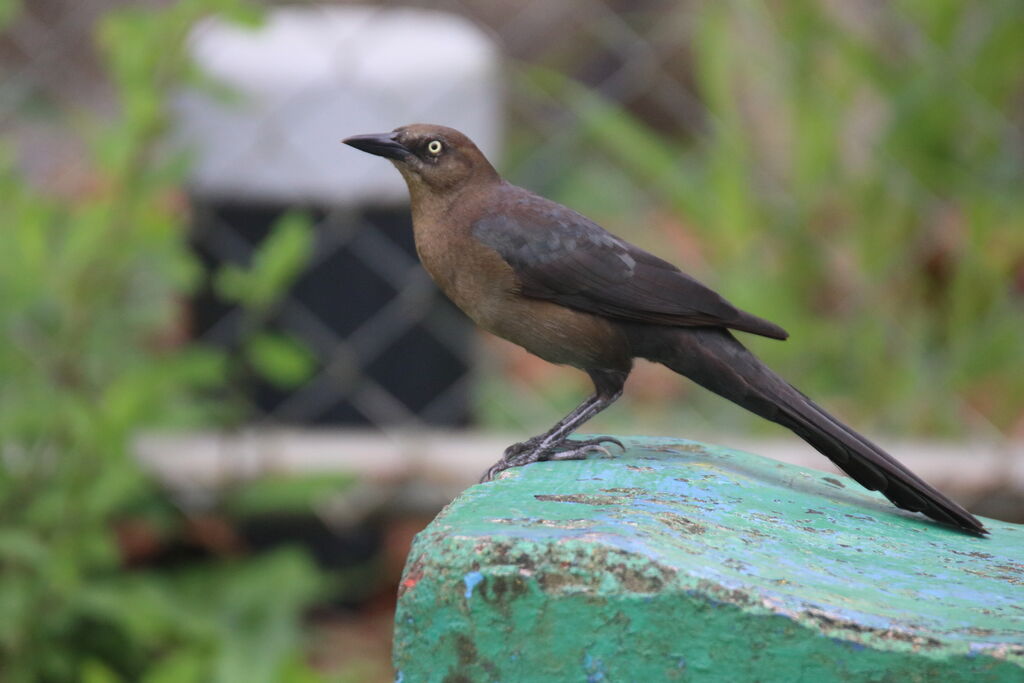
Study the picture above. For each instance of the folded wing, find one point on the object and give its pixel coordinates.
(561, 256)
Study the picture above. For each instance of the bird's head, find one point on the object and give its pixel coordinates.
(431, 158)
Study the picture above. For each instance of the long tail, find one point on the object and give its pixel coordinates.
(713, 358)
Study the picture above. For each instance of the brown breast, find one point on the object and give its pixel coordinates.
(479, 281)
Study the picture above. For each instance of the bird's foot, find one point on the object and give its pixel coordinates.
(530, 451)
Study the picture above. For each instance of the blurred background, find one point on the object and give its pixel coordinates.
(229, 394)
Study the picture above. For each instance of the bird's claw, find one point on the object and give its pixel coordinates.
(579, 453)
(580, 449)
(597, 441)
(526, 452)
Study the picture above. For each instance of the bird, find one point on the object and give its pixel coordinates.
(552, 281)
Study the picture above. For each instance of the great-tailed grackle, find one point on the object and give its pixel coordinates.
(557, 284)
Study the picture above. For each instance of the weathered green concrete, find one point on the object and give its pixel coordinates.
(679, 561)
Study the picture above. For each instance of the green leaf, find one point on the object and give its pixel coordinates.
(22, 547)
(94, 671)
(280, 259)
(232, 283)
(280, 359)
(259, 616)
(183, 666)
(274, 266)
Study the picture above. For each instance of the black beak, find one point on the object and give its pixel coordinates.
(381, 144)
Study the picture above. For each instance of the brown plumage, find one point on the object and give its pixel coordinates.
(552, 281)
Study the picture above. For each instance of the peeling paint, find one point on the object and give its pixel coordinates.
(589, 499)
(694, 561)
(472, 579)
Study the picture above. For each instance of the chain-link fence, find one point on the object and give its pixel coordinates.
(809, 160)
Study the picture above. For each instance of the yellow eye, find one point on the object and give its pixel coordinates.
(434, 147)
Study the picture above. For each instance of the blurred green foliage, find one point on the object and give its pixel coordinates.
(862, 189)
(859, 184)
(280, 358)
(294, 494)
(90, 287)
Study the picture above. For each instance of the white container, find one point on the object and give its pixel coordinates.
(308, 77)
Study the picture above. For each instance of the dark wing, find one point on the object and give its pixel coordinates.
(561, 256)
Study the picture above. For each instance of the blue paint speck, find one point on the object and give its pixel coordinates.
(594, 668)
(472, 579)
(399, 677)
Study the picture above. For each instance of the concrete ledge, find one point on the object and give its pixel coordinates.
(449, 461)
(681, 561)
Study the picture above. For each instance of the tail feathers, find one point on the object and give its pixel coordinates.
(869, 465)
(713, 358)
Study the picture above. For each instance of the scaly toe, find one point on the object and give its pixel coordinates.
(597, 441)
(494, 470)
(579, 453)
(516, 455)
(517, 450)
(526, 452)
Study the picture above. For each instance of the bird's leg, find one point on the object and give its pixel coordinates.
(554, 444)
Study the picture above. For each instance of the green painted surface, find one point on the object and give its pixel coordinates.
(680, 561)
